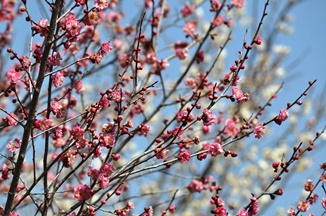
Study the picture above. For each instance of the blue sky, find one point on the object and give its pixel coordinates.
(309, 38)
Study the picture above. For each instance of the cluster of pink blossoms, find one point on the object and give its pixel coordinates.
(184, 155)
(14, 75)
(239, 95)
(106, 138)
(219, 203)
(83, 192)
(4, 173)
(208, 117)
(197, 185)
(143, 129)
(185, 116)
(253, 209)
(304, 205)
(214, 149)
(59, 108)
(101, 4)
(125, 211)
(101, 175)
(176, 132)
(43, 124)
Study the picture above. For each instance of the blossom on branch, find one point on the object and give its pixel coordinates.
(238, 3)
(184, 155)
(259, 131)
(282, 116)
(83, 192)
(14, 145)
(11, 119)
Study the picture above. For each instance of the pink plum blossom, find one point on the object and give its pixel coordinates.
(107, 139)
(72, 26)
(42, 124)
(83, 192)
(178, 132)
(143, 129)
(79, 86)
(231, 128)
(259, 131)
(184, 155)
(106, 47)
(187, 10)
(303, 205)
(5, 172)
(93, 173)
(282, 116)
(239, 96)
(14, 145)
(11, 119)
(323, 202)
(104, 182)
(238, 3)
(184, 116)
(208, 117)
(215, 5)
(57, 79)
(218, 21)
(14, 76)
(107, 169)
(189, 28)
(124, 59)
(220, 211)
(101, 4)
(254, 208)
(77, 132)
(59, 142)
(196, 186)
(181, 53)
(215, 149)
(291, 211)
(161, 153)
(258, 41)
(42, 27)
(242, 212)
(309, 186)
(54, 59)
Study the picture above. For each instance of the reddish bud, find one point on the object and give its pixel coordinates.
(296, 157)
(234, 154)
(272, 196)
(278, 192)
(115, 157)
(233, 68)
(275, 164)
